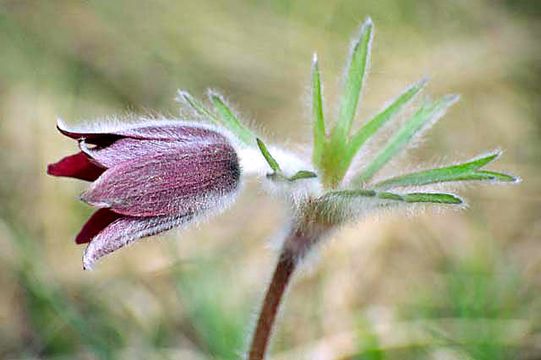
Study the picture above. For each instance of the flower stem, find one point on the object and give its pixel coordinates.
(296, 246)
(271, 304)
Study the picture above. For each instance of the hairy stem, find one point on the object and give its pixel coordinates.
(271, 304)
(297, 244)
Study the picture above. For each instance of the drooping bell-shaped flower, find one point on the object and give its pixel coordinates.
(148, 178)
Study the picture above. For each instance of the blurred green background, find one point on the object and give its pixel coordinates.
(454, 285)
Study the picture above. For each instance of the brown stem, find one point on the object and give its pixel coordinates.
(271, 304)
(298, 243)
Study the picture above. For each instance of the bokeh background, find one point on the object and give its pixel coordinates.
(445, 285)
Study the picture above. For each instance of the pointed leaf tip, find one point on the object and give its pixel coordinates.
(367, 22)
(181, 95)
(485, 159)
(497, 176)
(424, 80)
(319, 131)
(356, 70)
(268, 157)
(450, 99)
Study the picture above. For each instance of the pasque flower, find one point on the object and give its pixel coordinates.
(155, 176)
(148, 178)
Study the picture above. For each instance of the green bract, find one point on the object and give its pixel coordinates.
(336, 147)
(222, 116)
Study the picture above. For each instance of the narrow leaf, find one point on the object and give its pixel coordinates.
(197, 106)
(268, 157)
(303, 174)
(355, 76)
(380, 119)
(389, 196)
(317, 113)
(496, 176)
(349, 194)
(462, 172)
(426, 114)
(230, 120)
(481, 161)
(436, 198)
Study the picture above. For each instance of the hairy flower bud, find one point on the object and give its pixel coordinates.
(148, 178)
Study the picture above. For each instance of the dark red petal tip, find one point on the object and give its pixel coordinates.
(76, 166)
(96, 224)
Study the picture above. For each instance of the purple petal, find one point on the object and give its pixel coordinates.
(153, 130)
(76, 166)
(127, 149)
(185, 179)
(125, 231)
(178, 131)
(97, 222)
